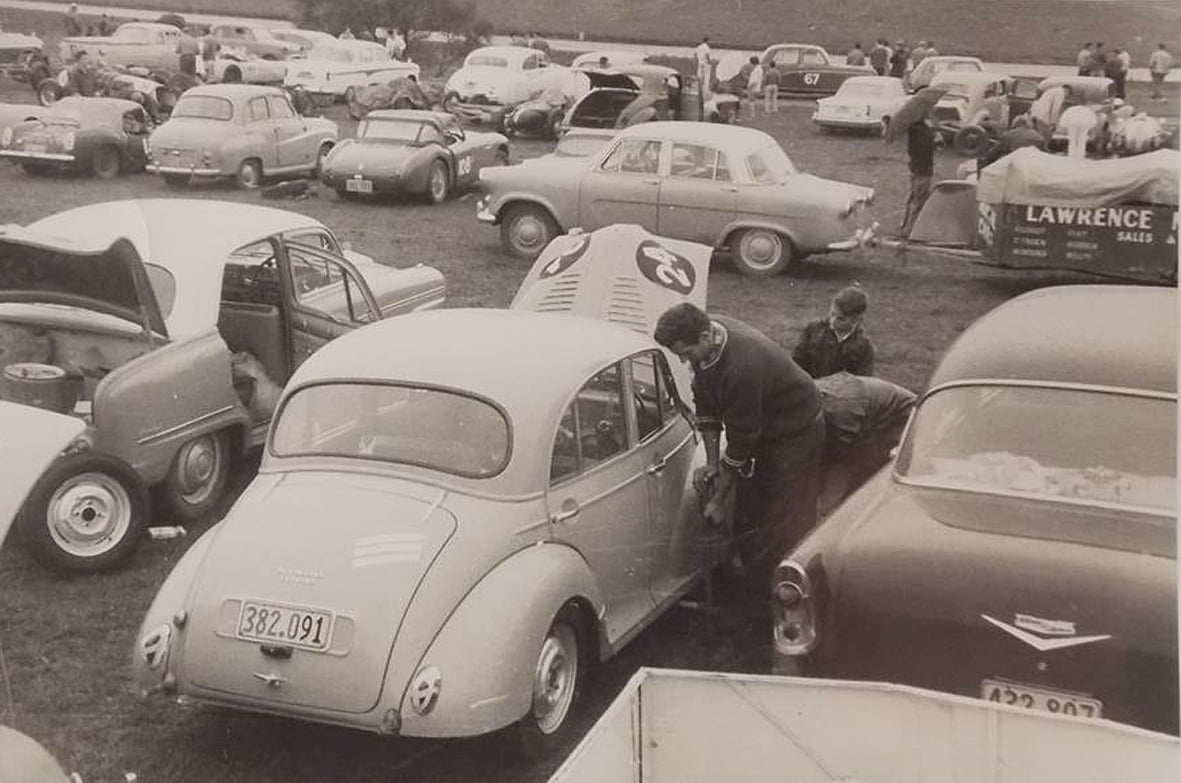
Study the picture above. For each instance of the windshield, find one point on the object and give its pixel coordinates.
(574, 145)
(770, 165)
(1046, 442)
(389, 130)
(330, 53)
(203, 107)
(431, 428)
(860, 89)
(487, 59)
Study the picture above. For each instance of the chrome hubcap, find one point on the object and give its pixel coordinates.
(529, 232)
(89, 514)
(198, 465)
(555, 678)
(761, 248)
(438, 184)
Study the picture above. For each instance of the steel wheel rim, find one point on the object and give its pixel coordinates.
(761, 249)
(89, 514)
(438, 183)
(198, 465)
(529, 232)
(555, 679)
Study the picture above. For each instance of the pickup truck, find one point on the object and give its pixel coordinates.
(147, 44)
(671, 725)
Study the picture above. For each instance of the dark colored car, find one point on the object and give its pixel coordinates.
(1022, 549)
(806, 68)
(101, 136)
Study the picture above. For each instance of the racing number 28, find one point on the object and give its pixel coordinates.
(465, 166)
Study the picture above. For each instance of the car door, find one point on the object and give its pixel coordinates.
(624, 187)
(817, 74)
(259, 125)
(324, 297)
(787, 60)
(698, 197)
(292, 143)
(135, 136)
(597, 499)
(467, 158)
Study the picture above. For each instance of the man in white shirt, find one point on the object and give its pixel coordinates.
(704, 57)
(754, 84)
(1159, 63)
(395, 44)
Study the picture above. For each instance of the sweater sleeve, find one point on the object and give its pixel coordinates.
(803, 354)
(742, 414)
(861, 357)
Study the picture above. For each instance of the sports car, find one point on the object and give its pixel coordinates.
(500, 537)
(170, 341)
(1022, 548)
(806, 68)
(17, 53)
(148, 44)
(251, 69)
(861, 103)
(412, 151)
(101, 136)
(722, 185)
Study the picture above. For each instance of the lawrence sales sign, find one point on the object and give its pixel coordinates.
(1138, 241)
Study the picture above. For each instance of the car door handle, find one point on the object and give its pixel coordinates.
(656, 468)
(568, 512)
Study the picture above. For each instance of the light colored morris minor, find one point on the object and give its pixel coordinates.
(337, 70)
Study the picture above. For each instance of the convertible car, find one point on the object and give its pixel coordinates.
(501, 537)
(1022, 548)
(806, 68)
(721, 185)
(101, 136)
(411, 151)
(171, 341)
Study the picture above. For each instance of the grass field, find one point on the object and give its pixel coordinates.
(1049, 31)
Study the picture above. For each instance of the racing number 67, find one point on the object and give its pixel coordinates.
(811, 79)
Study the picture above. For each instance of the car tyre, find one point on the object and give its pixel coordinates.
(197, 481)
(249, 175)
(232, 75)
(48, 92)
(347, 195)
(761, 252)
(438, 183)
(87, 513)
(526, 229)
(321, 156)
(104, 162)
(558, 678)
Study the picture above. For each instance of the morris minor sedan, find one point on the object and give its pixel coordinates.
(1022, 548)
(500, 537)
(240, 131)
(171, 341)
(722, 185)
(494, 78)
(410, 151)
(100, 136)
(806, 68)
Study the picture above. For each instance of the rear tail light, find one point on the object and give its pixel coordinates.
(793, 610)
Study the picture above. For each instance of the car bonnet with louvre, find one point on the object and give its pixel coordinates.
(1102, 335)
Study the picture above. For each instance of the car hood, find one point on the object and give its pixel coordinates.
(287, 543)
(511, 176)
(32, 439)
(192, 133)
(482, 76)
(374, 156)
(950, 556)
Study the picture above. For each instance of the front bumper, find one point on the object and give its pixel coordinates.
(483, 213)
(46, 157)
(867, 236)
(188, 171)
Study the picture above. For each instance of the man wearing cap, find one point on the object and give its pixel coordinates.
(745, 384)
(837, 342)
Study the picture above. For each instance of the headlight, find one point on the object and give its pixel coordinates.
(68, 141)
(6, 137)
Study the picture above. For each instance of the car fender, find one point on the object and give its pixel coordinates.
(742, 224)
(487, 649)
(499, 203)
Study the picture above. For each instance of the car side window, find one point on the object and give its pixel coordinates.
(257, 109)
(530, 63)
(651, 397)
(429, 133)
(280, 107)
(811, 58)
(315, 238)
(787, 57)
(698, 162)
(328, 288)
(593, 429)
(634, 156)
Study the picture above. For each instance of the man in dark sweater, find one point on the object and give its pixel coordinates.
(747, 385)
(920, 146)
(837, 341)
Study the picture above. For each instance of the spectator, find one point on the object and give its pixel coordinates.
(188, 49)
(1098, 61)
(918, 54)
(604, 63)
(837, 342)
(73, 22)
(856, 56)
(745, 384)
(931, 50)
(1083, 59)
(347, 35)
(1117, 72)
(81, 78)
(1159, 63)
(920, 147)
(538, 43)
(1047, 109)
(703, 56)
(771, 88)
(899, 60)
(210, 49)
(879, 57)
(105, 25)
(754, 84)
(395, 44)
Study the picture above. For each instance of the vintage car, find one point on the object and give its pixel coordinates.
(148, 44)
(1097, 93)
(241, 131)
(922, 74)
(171, 340)
(495, 78)
(544, 523)
(722, 185)
(100, 136)
(233, 67)
(253, 40)
(1023, 546)
(17, 52)
(411, 151)
(861, 103)
(402, 92)
(590, 61)
(661, 92)
(337, 70)
(982, 101)
(805, 68)
(12, 114)
(304, 39)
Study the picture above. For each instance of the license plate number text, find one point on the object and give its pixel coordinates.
(358, 186)
(1057, 702)
(310, 629)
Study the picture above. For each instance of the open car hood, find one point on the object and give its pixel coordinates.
(38, 267)
(30, 438)
(611, 79)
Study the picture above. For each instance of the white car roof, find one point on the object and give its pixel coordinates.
(514, 54)
(701, 132)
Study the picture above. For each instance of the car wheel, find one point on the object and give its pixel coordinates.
(438, 183)
(318, 170)
(971, 141)
(449, 100)
(176, 181)
(346, 195)
(104, 162)
(48, 92)
(526, 229)
(762, 252)
(249, 175)
(198, 478)
(232, 75)
(87, 513)
(558, 675)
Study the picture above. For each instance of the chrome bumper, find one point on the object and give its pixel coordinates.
(483, 214)
(191, 171)
(862, 237)
(58, 157)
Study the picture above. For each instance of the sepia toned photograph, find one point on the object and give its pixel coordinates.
(550, 391)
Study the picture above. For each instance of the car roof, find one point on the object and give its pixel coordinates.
(793, 46)
(1101, 335)
(149, 25)
(951, 58)
(236, 91)
(511, 53)
(968, 77)
(711, 132)
(872, 80)
(347, 44)
(416, 115)
(191, 238)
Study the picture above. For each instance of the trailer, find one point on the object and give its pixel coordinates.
(671, 726)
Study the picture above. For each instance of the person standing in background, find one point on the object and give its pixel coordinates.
(879, 57)
(856, 56)
(1098, 61)
(395, 44)
(837, 342)
(899, 60)
(703, 56)
(188, 49)
(920, 147)
(1159, 63)
(1083, 59)
(73, 22)
(754, 84)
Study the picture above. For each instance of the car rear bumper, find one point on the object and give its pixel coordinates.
(190, 171)
(831, 121)
(376, 184)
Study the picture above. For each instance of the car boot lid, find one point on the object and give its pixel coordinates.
(32, 438)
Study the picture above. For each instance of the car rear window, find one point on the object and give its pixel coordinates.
(334, 54)
(390, 130)
(489, 60)
(203, 107)
(860, 89)
(432, 428)
(1089, 446)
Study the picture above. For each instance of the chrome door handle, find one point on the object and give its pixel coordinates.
(568, 511)
(656, 468)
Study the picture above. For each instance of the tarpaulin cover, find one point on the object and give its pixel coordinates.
(1030, 176)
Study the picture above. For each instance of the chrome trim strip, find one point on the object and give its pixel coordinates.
(184, 425)
(60, 156)
(1010, 493)
(155, 168)
(1088, 387)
